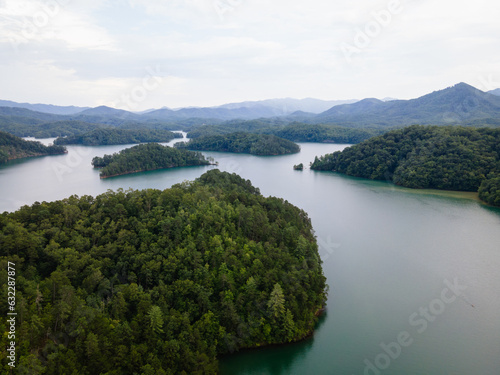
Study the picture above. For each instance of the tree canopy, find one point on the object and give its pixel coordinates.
(451, 158)
(12, 147)
(295, 132)
(158, 282)
(146, 157)
(113, 136)
(240, 142)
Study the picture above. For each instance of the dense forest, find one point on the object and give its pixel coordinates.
(12, 147)
(298, 132)
(489, 191)
(246, 143)
(113, 136)
(295, 132)
(158, 282)
(146, 157)
(451, 158)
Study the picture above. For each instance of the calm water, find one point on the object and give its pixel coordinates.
(390, 255)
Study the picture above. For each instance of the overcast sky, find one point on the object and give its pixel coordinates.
(139, 54)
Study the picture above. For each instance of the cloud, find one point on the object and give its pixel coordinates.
(37, 22)
(214, 51)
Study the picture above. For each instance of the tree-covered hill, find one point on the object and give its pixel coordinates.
(146, 157)
(459, 104)
(110, 136)
(240, 142)
(295, 132)
(451, 158)
(12, 147)
(300, 132)
(158, 282)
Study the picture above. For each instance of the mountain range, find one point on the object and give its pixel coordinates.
(459, 104)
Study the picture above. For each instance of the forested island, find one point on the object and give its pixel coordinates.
(146, 157)
(245, 143)
(450, 158)
(12, 147)
(158, 282)
(110, 136)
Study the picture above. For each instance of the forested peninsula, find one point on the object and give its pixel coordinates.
(240, 142)
(12, 147)
(158, 282)
(295, 132)
(435, 157)
(110, 136)
(146, 157)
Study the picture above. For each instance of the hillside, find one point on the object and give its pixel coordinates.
(146, 157)
(12, 147)
(450, 158)
(159, 282)
(245, 143)
(461, 104)
(45, 108)
(111, 136)
(454, 105)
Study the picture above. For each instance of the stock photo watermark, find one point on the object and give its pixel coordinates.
(137, 95)
(72, 160)
(419, 322)
(29, 27)
(488, 82)
(327, 247)
(224, 6)
(364, 36)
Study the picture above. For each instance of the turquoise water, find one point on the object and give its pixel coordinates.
(391, 256)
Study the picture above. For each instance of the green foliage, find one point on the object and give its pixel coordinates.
(110, 136)
(146, 157)
(295, 132)
(452, 158)
(12, 147)
(298, 132)
(489, 191)
(298, 167)
(248, 143)
(158, 282)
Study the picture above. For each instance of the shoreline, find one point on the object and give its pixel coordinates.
(264, 346)
(149, 170)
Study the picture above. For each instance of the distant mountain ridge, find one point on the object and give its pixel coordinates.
(44, 108)
(289, 106)
(460, 104)
(454, 105)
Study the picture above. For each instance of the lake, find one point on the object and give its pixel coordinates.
(413, 274)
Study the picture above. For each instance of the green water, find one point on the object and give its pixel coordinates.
(387, 253)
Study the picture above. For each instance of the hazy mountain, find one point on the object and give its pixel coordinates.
(108, 111)
(287, 106)
(495, 92)
(44, 108)
(26, 116)
(213, 113)
(461, 103)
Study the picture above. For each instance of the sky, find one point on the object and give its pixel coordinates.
(141, 54)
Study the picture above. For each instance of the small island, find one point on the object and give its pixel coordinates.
(12, 147)
(299, 167)
(147, 157)
(426, 157)
(110, 136)
(244, 143)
